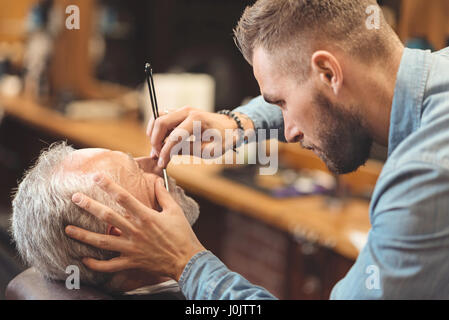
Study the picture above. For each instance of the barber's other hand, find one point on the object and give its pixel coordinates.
(158, 242)
(166, 130)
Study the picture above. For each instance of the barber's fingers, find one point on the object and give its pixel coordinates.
(177, 137)
(102, 241)
(163, 197)
(102, 212)
(112, 265)
(151, 121)
(164, 124)
(123, 197)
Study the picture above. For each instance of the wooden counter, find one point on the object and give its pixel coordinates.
(308, 217)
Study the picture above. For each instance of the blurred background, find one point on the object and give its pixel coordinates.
(86, 85)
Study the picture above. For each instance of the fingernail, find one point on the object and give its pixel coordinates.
(69, 230)
(76, 198)
(160, 163)
(152, 153)
(161, 182)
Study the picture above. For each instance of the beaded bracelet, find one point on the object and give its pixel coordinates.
(241, 138)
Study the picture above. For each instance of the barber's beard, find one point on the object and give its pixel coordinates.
(345, 144)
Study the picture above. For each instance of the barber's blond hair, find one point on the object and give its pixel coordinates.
(292, 30)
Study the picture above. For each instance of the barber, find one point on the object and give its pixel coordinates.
(335, 80)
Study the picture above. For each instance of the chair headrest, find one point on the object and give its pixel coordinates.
(31, 285)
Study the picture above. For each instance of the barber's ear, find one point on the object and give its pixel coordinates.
(149, 165)
(327, 67)
(113, 231)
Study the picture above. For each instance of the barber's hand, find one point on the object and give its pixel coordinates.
(158, 242)
(164, 132)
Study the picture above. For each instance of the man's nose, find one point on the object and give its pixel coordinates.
(292, 133)
(148, 165)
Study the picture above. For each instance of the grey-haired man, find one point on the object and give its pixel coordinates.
(42, 207)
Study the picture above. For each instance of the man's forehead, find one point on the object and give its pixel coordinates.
(266, 72)
(259, 64)
(90, 158)
(89, 152)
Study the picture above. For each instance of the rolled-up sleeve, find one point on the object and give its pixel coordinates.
(205, 277)
(265, 116)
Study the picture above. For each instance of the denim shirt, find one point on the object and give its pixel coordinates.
(407, 252)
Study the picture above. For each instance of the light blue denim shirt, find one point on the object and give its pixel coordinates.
(407, 252)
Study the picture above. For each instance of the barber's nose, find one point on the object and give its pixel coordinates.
(292, 133)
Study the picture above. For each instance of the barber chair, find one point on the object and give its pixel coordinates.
(31, 285)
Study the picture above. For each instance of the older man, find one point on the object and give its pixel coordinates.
(42, 207)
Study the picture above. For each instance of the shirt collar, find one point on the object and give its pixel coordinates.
(408, 95)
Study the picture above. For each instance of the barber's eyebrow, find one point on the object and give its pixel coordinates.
(272, 99)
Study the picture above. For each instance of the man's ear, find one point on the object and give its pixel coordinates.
(113, 231)
(328, 69)
(149, 165)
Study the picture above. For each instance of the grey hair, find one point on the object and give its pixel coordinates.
(42, 208)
